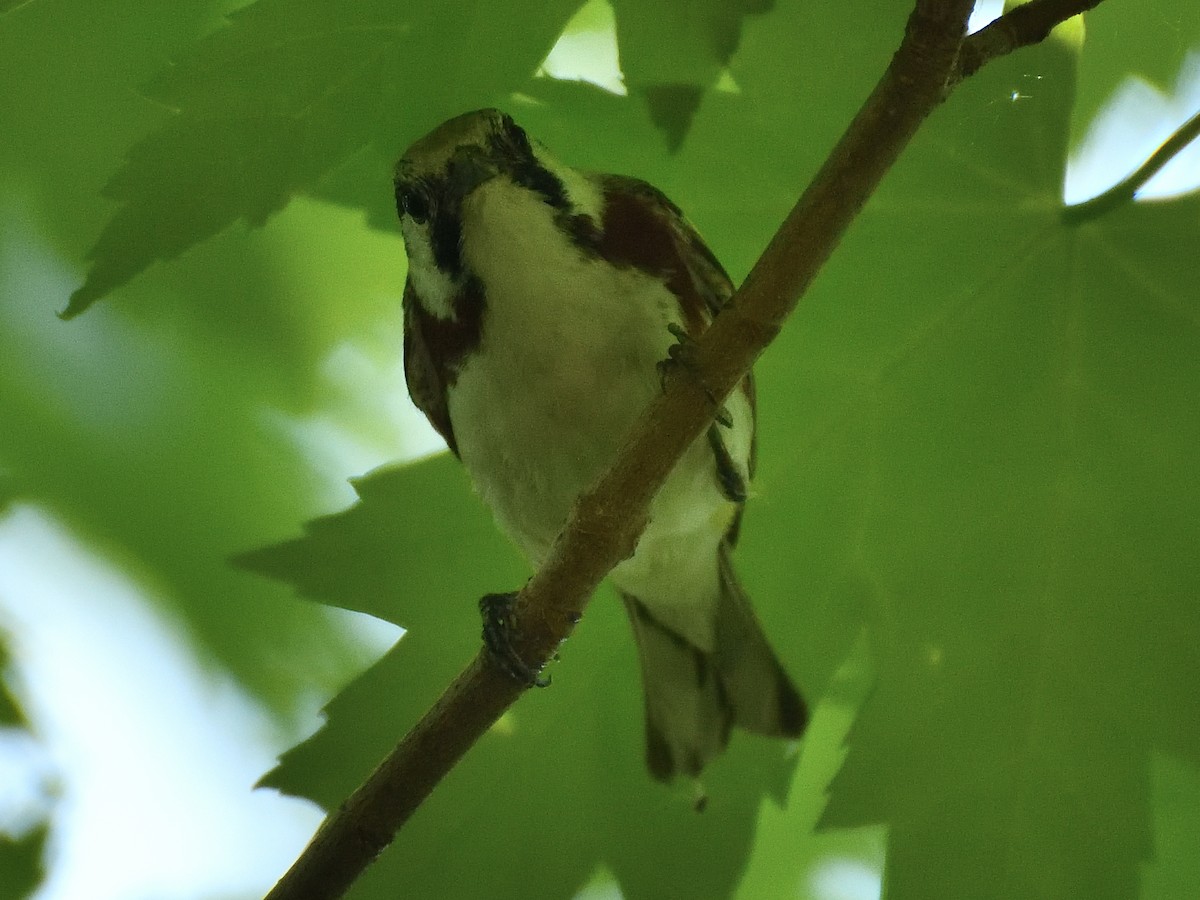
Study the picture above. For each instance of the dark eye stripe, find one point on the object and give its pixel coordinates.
(445, 236)
(415, 200)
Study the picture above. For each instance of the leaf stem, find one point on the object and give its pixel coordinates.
(1123, 191)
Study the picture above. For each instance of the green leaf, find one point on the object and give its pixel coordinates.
(21, 868)
(788, 850)
(11, 714)
(287, 92)
(9, 492)
(1175, 869)
(21, 859)
(1024, 501)
(673, 52)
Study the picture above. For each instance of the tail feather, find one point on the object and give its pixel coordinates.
(693, 698)
(687, 715)
(763, 697)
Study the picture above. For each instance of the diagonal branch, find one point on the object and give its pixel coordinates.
(609, 517)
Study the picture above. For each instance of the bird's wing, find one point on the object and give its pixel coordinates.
(642, 228)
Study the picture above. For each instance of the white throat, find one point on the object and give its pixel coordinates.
(435, 289)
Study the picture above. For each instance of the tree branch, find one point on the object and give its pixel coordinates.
(1030, 23)
(609, 517)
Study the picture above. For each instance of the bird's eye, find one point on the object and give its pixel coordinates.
(413, 203)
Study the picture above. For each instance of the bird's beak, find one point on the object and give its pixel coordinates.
(470, 168)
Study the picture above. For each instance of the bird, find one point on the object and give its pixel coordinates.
(540, 305)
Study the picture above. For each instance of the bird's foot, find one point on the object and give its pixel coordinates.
(682, 354)
(498, 630)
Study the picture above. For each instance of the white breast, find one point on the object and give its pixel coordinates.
(566, 364)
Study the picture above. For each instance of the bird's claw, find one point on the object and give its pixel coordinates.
(496, 610)
(683, 354)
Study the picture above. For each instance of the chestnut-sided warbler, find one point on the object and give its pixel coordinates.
(539, 304)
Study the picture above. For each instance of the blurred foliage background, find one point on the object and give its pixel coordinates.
(974, 534)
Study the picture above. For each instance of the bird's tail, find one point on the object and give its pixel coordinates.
(693, 697)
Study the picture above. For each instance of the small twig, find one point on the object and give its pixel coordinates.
(1030, 23)
(608, 518)
(1124, 191)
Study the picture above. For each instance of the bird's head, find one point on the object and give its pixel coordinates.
(446, 165)
(438, 182)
